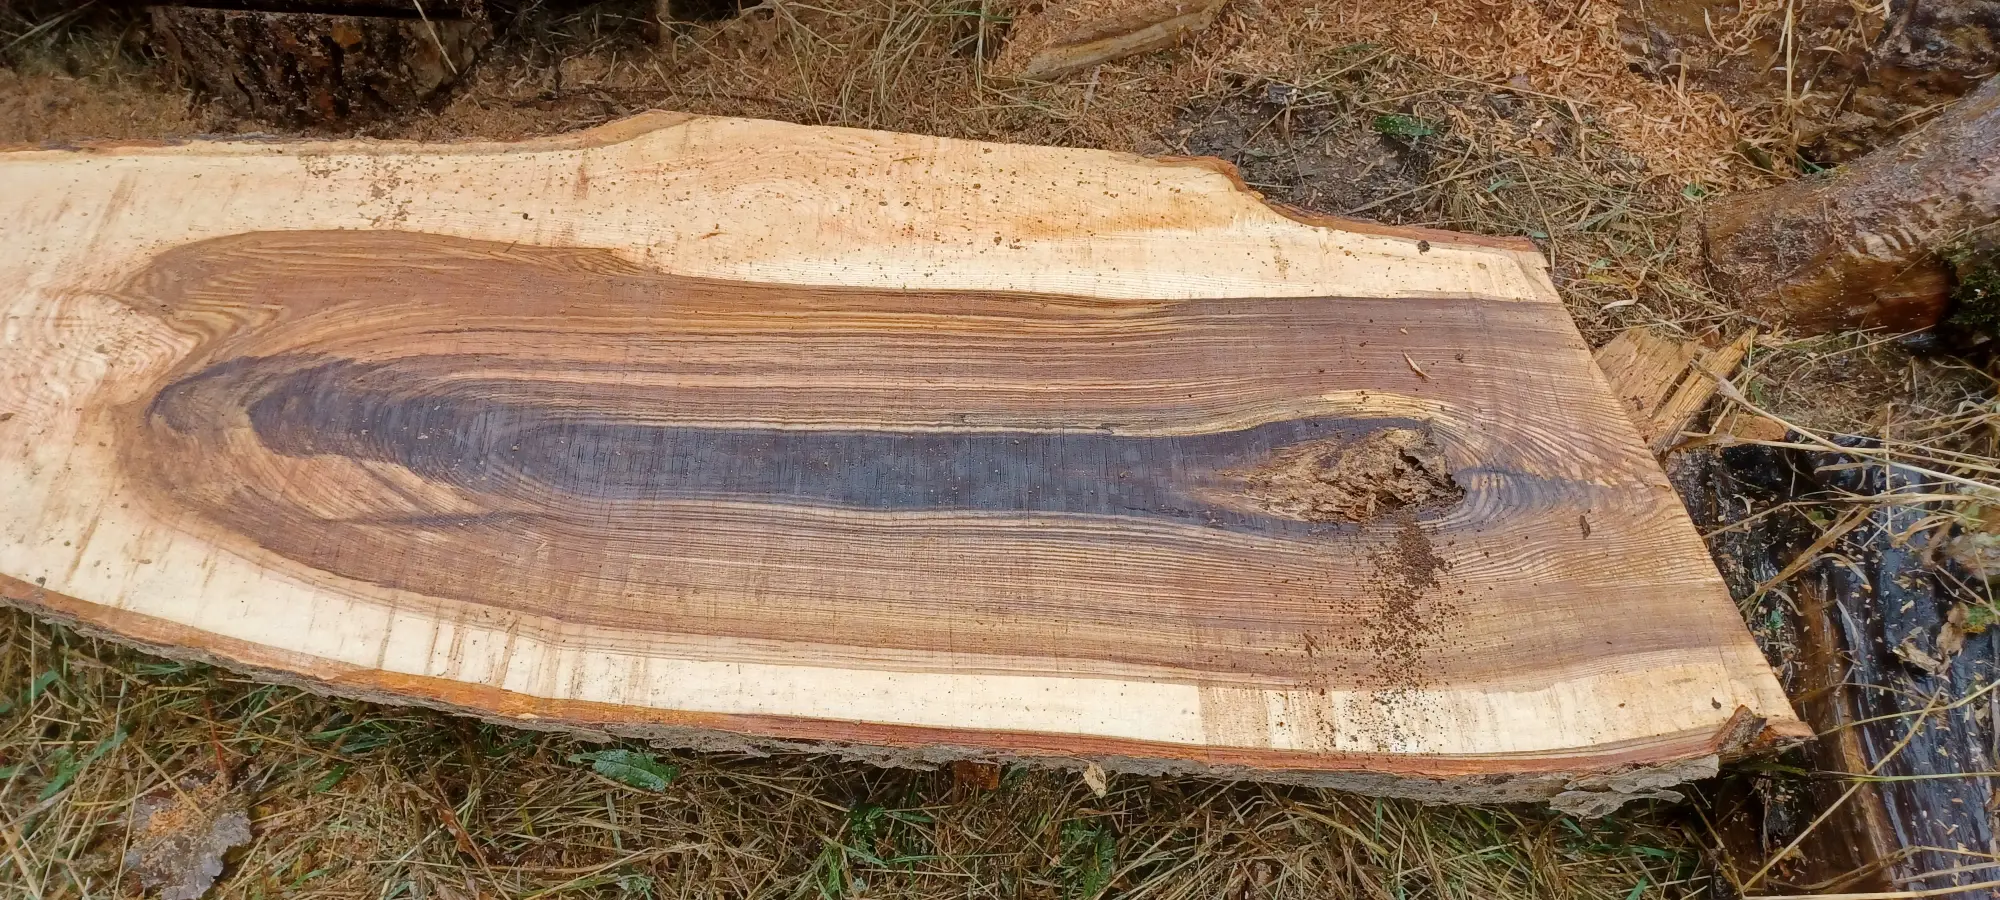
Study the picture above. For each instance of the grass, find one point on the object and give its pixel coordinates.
(1599, 167)
(351, 800)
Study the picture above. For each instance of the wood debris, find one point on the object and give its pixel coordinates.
(1068, 36)
(180, 833)
(1663, 384)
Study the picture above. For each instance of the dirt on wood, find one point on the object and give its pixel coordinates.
(1414, 616)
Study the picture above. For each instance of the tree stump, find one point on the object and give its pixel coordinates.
(323, 62)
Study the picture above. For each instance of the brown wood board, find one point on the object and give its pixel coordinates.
(736, 433)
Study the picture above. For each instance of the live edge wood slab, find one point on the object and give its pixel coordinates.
(739, 434)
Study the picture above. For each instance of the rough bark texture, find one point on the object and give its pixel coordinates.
(1863, 247)
(1869, 73)
(309, 68)
(692, 427)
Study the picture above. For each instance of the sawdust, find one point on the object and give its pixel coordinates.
(1414, 615)
(1407, 567)
(1355, 480)
(37, 107)
(930, 68)
(181, 833)
(1568, 51)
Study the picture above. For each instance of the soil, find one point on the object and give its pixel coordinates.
(1317, 156)
(1860, 74)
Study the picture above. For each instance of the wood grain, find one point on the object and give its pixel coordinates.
(659, 430)
(1663, 383)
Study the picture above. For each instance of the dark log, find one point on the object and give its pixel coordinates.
(306, 69)
(1864, 247)
(1856, 638)
(1891, 601)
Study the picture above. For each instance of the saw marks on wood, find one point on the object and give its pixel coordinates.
(1316, 529)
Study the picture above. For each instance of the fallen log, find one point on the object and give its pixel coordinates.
(746, 435)
(1866, 246)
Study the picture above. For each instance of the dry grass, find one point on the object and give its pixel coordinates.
(350, 800)
(1516, 119)
(1594, 163)
(1865, 383)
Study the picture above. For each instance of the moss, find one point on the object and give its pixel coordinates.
(1975, 300)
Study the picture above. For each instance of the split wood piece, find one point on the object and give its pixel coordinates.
(1068, 36)
(309, 68)
(1736, 425)
(1661, 382)
(1865, 246)
(738, 434)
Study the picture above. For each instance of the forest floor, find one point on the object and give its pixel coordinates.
(1375, 112)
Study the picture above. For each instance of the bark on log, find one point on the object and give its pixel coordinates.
(743, 434)
(1861, 247)
(309, 68)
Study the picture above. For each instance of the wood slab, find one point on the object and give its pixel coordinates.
(740, 434)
